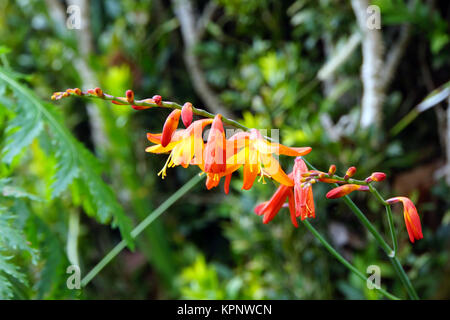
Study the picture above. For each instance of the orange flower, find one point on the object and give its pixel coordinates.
(304, 200)
(186, 146)
(269, 209)
(345, 190)
(215, 150)
(256, 155)
(170, 126)
(411, 216)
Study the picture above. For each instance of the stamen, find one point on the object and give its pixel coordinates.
(163, 173)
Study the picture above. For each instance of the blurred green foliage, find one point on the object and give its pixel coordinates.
(261, 58)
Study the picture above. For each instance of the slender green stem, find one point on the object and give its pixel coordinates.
(140, 227)
(392, 228)
(360, 215)
(404, 278)
(389, 217)
(342, 260)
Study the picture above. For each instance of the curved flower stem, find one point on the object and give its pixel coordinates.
(341, 259)
(140, 227)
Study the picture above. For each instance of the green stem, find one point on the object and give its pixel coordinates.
(404, 278)
(360, 215)
(389, 217)
(392, 228)
(342, 260)
(140, 227)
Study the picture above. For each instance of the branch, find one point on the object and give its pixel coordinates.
(189, 31)
(372, 52)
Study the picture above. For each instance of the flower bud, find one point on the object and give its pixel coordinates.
(332, 170)
(130, 96)
(120, 103)
(215, 150)
(77, 91)
(350, 172)
(187, 114)
(170, 126)
(378, 176)
(157, 99)
(140, 107)
(98, 92)
(345, 190)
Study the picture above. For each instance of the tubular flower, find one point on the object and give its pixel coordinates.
(345, 190)
(411, 216)
(215, 150)
(170, 126)
(186, 146)
(304, 200)
(256, 155)
(187, 114)
(269, 209)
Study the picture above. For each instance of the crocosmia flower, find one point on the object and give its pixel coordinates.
(186, 146)
(256, 156)
(269, 209)
(215, 150)
(303, 195)
(411, 216)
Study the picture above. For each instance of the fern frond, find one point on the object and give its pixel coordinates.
(74, 160)
(11, 239)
